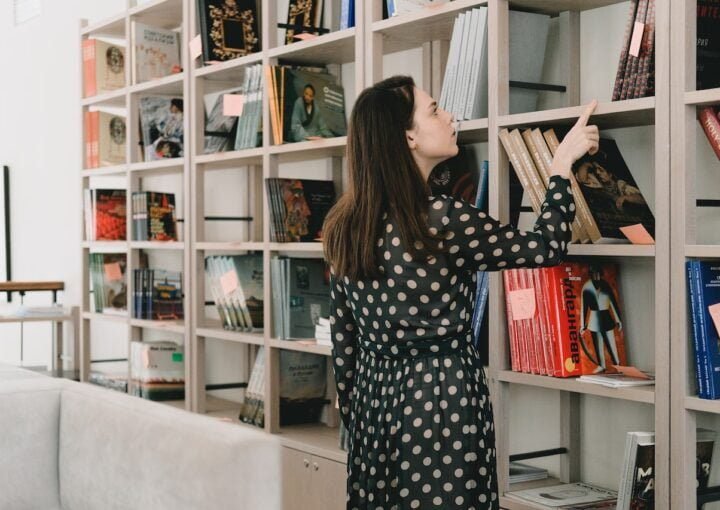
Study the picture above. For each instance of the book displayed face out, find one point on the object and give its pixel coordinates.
(229, 28)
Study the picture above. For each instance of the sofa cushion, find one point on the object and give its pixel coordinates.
(29, 419)
(121, 452)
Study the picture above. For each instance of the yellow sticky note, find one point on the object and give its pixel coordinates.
(233, 105)
(636, 40)
(113, 271)
(522, 304)
(637, 234)
(229, 282)
(715, 314)
(304, 36)
(195, 47)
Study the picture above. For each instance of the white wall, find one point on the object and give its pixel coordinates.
(40, 141)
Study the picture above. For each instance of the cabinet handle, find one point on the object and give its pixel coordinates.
(306, 463)
(315, 466)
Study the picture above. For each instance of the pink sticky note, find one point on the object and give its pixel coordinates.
(113, 271)
(304, 36)
(233, 105)
(146, 359)
(637, 234)
(636, 39)
(195, 47)
(715, 314)
(522, 304)
(229, 281)
(631, 372)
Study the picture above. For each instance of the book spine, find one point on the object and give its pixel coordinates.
(95, 141)
(89, 58)
(564, 312)
(545, 160)
(581, 205)
(692, 294)
(620, 75)
(709, 119)
(705, 337)
(646, 67)
(535, 182)
(449, 78)
(536, 327)
(631, 68)
(515, 364)
(88, 140)
(514, 158)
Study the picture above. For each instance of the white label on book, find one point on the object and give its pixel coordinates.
(522, 303)
(636, 39)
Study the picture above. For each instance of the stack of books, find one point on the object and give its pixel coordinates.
(635, 75)
(158, 370)
(236, 285)
(298, 208)
(566, 496)
(322, 332)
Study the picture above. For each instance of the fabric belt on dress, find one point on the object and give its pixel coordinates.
(414, 349)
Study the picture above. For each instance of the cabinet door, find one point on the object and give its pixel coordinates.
(328, 484)
(296, 480)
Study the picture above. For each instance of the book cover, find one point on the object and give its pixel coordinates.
(250, 275)
(112, 139)
(643, 486)
(156, 52)
(219, 128)
(709, 118)
(707, 286)
(110, 218)
(103, 66)
(456, 177)
(229, 28)
(347, 14)
(620, 74)
(312, 105)
(708, 44)
(302, 205)
(304, 16)
(167, 295)
(611, 193)
(308, 295)
(109, 285)
(566, 494)
(161, 122)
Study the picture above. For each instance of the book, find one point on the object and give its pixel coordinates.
(304, 16)
(708, 45)
(613, 198)
(704, 290)
(155, 52)
(709, 118)
(305, 105)
(563, 495)
(153, 216)
(457, 177)
(158, 294)
(111, 138)
(103, 66)
(105, 216)
(520, 472)
(162, 128)
(236, 284)
(108, 284)
(219, 128)
(347, 14)
(157, 362)
(229, 28)
(303, 387)
(616, 380)
(298, 208)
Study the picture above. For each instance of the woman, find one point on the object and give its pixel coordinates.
(411, 390)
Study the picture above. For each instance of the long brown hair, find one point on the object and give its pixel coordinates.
(383, 178)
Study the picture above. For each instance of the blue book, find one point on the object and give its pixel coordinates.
(483, 281)
(707, 287)
(390, 8)
(700, 366)
(347, 14)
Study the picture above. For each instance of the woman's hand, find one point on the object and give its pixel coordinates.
(579, 140)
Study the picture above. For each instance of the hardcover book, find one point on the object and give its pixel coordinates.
(708, 44)
(704, 290)
(298, 208)
(304, 16)
(103, 66)
(112, 139)
(156, 52)
(709, 118)
(161, 122)
(612, 195)
(229, 28)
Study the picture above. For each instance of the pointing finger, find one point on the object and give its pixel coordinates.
(585, 116)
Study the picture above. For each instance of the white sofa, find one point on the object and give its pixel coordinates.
(71, 446)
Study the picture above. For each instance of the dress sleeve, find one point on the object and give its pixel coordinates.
(476, 241)
(344, 345)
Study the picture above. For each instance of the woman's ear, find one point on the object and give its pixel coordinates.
(410, 136)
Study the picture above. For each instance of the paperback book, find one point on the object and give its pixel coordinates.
(162, 129)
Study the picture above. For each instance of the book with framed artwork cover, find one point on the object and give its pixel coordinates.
(304, 16)
(229, 29)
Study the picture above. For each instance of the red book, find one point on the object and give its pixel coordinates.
(709, 118)
(515, 364)
(543, 318)
(564, 319)
(89, 77)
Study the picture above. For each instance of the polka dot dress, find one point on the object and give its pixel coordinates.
(412, 392)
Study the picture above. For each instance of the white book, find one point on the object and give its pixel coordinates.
(468, 70)
(626, 481)
(476, 88)
(155, 52)
(462, 68)
(406, 6)
(451, 66)
(563, 495)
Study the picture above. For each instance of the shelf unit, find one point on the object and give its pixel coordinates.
(170, 14)
(365, 45)
(691, 180)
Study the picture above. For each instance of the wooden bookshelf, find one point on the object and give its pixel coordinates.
(366, 45)
(693, 176)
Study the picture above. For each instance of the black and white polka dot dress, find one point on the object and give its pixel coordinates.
(412, 392)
